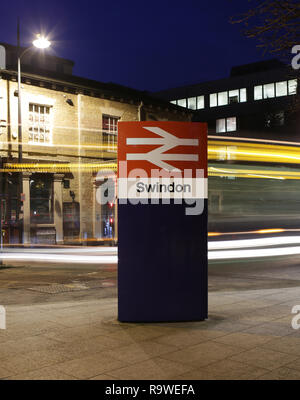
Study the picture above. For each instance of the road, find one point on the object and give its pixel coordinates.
(40, 281)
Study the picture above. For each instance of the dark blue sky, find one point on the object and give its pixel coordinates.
(149, 45)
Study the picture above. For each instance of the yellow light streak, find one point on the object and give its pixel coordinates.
(260, 231)
(270, 230)
(253, 173)
(255, 152)
(63, 167)
(217, 150)
(89, 146)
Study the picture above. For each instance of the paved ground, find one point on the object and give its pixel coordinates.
(62, 324)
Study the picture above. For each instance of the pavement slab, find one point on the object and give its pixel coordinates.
(75, 334)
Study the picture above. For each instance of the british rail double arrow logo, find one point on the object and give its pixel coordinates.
(158, 156)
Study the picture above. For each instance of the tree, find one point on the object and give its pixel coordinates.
(274, 23)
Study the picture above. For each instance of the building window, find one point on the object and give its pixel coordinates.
(231, 124)
(192, 103)
(181, 102)
(200, 102)
(281, 88)
(276, 89)
(269, 91)
(275, 119)
(226, 124)
(213, 100)
(228, 97)
(222, 98)
(243, 95)
(233, 96)
(110, 130)
(40, 130)
(258, 92)
(41, 198)
(292, 86)
(221, 125)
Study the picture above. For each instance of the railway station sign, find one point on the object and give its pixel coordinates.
(162, 221)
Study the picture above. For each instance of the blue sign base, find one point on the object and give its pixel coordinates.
(162, 271)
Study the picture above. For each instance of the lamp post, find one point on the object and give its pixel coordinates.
(41, 43)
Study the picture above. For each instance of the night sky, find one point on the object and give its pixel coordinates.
(148, 45)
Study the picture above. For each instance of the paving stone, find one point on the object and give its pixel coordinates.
(88, 367)
(48, 373)
(140, 351)
(287, 344)
(243, 340)
(156, 369)
(203, 354)
(225, 370)
(264, 358)
(282, 373)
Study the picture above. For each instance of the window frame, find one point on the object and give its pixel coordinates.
(275, 86)
(226, 124)
(110, 136)
(40, 124)
(216, 96)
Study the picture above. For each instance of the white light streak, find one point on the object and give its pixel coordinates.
(253, 253)
(259, 242)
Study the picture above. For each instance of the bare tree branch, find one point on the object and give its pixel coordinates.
(274, 23)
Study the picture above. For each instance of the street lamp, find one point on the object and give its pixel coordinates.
(41, 43)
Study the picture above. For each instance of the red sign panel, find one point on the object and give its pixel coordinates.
(162, 145)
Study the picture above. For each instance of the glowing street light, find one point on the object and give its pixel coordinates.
(41, 42)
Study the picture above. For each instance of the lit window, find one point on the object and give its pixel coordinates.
(281, 88)
(40, 131)
(243, 95)
(233, 96)
(231, 124)
(200, 102)
(181, 102)
(258, 92)
(278, 89)
(222, 98)
(269, 91)
(226, 124)
(213, 100)
(110, 129)
(192, 103)
(292, 86)
(173, 101)
(221, 125)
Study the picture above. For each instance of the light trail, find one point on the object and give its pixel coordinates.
(260, 231)
(80, 250)
(253, 140)
(260, 242)
(59, 258)
(274, 246)
(217, 250)
(253, 253)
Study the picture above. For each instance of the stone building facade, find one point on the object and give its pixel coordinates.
(69, 134)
